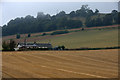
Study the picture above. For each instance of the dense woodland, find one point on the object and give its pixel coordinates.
(84, 17)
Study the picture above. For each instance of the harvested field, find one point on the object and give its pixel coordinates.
(61, 64)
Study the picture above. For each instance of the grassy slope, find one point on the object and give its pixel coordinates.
(91, 38)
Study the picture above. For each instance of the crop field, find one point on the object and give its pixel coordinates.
(92, 38)
(60, 64)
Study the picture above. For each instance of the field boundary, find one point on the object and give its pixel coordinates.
(104, 48)
(71, 30)
(95, 48)
(60, 78)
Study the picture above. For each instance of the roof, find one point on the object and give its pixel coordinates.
(35, 44)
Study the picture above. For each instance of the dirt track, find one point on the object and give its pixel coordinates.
(61, 64)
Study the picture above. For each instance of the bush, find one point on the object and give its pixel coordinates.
(12, 45)
(18, 36)
(5, 46)
(44, 34)
(60, 47)
(82, 29)
(29, 35)
(8, 46)
(59, 32)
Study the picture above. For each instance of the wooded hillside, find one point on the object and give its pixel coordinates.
(84, 17)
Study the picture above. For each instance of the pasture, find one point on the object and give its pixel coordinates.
(90, 38)
(60, 64)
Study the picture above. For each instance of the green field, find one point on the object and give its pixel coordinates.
(89, 38)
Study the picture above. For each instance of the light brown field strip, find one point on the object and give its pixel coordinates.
(38, 57)
(64, 66)
(61, 64)
(78, 72)
(93, 65)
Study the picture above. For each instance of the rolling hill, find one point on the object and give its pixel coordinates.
(93, 38)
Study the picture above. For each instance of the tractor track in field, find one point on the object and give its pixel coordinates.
(80, 64)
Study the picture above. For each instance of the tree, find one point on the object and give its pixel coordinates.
(61, 14)
(40, 15)
(118, 18)
(115, 16)
(5, 46)
(114, 12)
(85, 7)
(90, 13)
(83, 29)
(18, 36)
(8, 46)
(72, 14)
(89, 22)
(83, 11)
(29, 17)
(29, 35)
(45, 22)
(108, 20)
(98, 22)
(62, 47)
(73, 24)
(43, 34)
(12, 45)
(96, 11)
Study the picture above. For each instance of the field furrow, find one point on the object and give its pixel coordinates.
(61, 64)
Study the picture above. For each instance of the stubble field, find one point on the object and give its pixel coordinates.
(60, 64)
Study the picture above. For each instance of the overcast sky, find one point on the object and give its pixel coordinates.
(11, 10)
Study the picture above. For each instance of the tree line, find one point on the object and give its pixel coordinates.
(74, 19)
(8, 46)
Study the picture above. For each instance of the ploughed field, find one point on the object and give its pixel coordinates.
(60, 64)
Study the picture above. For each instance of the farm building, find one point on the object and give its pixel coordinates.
(22, 46)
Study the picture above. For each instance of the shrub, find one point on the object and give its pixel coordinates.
(44, 34)
(82, 29)
(60, 47)
(8, 46)
(12, 45)
(29, 35)
(18, 36)
(59, 32)
(5, 46)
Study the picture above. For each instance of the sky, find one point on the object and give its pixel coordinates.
(11, 10)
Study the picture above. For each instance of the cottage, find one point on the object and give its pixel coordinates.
(23, 46)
